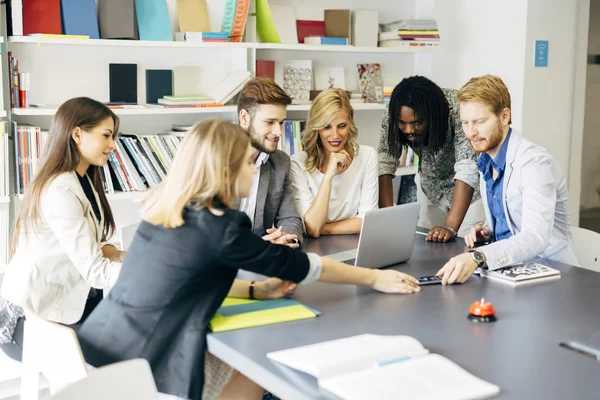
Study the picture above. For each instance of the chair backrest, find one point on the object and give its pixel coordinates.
(586, 244)
(126, 380)
(53, 350)
(127, 234)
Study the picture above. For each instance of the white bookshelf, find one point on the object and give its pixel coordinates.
(4, 199)
(62, 68)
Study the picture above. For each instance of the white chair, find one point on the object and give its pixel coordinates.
(587, 248)
(131, 379)
(52, 350)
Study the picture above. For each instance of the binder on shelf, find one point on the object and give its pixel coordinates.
(79, 18)
(41, 16)
(193, 16)
(117, 19)
(14, 17)
(159, 83)
(123, 83)
(153, 20)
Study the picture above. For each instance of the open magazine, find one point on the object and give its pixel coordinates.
(384, 367)
(522, 274)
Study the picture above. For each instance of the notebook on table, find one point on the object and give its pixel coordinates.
(522, 274)
(237, 313)
(384, 367)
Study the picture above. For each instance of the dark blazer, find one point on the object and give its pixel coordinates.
(171, 284)
(275, 198)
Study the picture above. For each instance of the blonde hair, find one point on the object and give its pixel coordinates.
(323, 110)
(489, 90)
(204, 173)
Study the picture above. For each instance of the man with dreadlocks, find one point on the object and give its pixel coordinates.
(426, 118)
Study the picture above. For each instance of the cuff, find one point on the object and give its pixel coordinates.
(314, 269)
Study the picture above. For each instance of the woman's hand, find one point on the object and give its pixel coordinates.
(338, 163)
(390, 281)
(273, 288)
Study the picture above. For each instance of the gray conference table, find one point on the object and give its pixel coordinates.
(520, 352)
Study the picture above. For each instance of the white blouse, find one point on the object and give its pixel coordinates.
(353, 193)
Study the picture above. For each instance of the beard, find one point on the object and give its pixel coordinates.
(257, 140)
(492, 142)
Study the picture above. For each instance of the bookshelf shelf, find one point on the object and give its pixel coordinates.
(4, 199)
(123, 43)
(346, 49)
(2, 114)
(260, 46)
(35, 111)
(402, 171)
(124, 196)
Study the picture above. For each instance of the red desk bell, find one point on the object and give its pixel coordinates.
(482, 311)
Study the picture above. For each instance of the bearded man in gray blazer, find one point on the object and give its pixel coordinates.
(523, 189)
(262, 110)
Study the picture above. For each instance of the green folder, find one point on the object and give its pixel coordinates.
(237, 313)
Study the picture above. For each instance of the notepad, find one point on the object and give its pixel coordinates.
(243, 313)
(384, 367)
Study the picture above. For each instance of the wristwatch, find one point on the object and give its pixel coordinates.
(479, 258)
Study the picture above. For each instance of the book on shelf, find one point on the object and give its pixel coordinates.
(4, 163)
(117, 19)
(153, 20)
(522, 274)
(307, 28)
(237, 313)
(338, 23)
(193, 15)
(317, 40)
(79, 17)
(41, 16)
(205, 37)
(138, 162)
(370, 82)
(290, 141)
(383, 367)
(220, 95)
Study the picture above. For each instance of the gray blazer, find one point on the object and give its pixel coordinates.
(275, 198)
(536, 207)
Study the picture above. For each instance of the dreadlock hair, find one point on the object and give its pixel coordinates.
(429, 104)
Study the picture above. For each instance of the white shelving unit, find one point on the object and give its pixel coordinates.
(4, 199)
(62, 68)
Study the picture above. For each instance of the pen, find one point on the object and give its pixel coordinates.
(582, 349)
(421, 233)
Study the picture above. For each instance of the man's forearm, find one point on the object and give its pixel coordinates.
(386, 191)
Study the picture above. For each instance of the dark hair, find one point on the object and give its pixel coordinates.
(429, 104)
(261, 90)
(61, 155)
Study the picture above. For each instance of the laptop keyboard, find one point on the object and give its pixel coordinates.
(352, 261)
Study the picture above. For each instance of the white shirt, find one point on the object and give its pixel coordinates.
(248, 204)
(353, 193)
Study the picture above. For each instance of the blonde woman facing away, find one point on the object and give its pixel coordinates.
(184, 259)
(334, 178)
(60, 261)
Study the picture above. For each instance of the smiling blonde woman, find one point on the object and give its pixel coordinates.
(334, 178)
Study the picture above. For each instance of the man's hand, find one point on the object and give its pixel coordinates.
(458, 269)
(478, 234)
(273, 288)
(278, 236)
(439, 234)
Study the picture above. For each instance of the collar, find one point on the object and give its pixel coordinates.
(261, 159)
(499, 162)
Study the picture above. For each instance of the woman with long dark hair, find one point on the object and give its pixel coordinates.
(426, 118)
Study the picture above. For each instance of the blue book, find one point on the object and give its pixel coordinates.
(79, 18)
(153, 20)
(325, 40)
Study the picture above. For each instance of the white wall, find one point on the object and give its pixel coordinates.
(498, 38)
(590, 172)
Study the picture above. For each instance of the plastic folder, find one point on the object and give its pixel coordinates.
(243, 313)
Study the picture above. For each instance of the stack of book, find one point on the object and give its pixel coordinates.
(409, 158)
(387, 94)
(412, 32)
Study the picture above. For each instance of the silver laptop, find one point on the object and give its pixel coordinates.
(386, 237)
